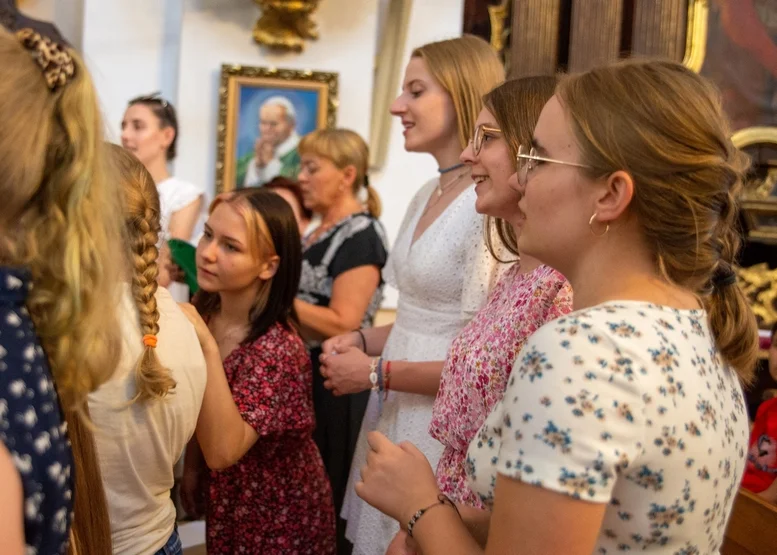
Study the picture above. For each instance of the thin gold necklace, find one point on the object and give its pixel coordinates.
(449, 185)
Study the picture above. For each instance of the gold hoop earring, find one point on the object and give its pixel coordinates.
(591, 226)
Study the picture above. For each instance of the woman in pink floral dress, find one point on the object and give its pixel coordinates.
(529, 294)
(474, 376)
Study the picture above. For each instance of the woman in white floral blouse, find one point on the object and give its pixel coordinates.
(623, 426)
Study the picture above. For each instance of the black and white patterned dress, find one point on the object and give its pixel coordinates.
(32, 427)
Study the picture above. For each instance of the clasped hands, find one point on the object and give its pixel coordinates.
(344, 366)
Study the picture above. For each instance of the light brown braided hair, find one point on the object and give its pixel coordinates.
(142, 227)
(664, 125)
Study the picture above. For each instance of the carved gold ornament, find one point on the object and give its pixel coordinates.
(759, 284)
(286, 24)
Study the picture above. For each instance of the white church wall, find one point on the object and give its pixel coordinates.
(177, 47)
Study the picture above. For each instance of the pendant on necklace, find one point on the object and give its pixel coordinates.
(439, 191)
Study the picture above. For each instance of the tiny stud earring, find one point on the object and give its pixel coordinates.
(591, 226)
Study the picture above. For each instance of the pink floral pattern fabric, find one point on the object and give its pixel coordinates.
(479, 362)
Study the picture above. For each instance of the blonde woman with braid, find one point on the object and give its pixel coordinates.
(147, 413)
(59, 261)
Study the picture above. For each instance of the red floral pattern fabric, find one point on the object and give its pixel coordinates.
(277, 498)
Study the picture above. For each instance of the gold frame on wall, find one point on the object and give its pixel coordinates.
(696, 34)
(233, 77)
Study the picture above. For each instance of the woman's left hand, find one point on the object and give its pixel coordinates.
(397, 479)
(346, 372)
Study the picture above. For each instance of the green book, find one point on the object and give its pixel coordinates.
(183, 255)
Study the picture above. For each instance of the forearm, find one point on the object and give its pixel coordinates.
(375, 339)
(440, 531)
(477, 522)
(324, 321)
(422, 378)
(223, 435)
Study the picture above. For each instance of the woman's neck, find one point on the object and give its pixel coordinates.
(344, 207)
(158, 169)
(235, 306)
(448, 154)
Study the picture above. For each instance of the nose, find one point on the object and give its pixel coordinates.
(206, 250)
(468, 154)
(302, 177)
(398, 107)
(125, 136)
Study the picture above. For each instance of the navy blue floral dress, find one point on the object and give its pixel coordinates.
(32, 427)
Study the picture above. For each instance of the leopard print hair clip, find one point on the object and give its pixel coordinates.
(54, 60)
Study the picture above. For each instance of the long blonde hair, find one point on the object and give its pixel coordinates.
(344, 148)
(141, 228)
(59, 216)
(664, 125)
(467, 68)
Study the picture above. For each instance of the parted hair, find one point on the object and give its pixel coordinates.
(141, 230)
(467, 68)
(516, 105)
(664, 125)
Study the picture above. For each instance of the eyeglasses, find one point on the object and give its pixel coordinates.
(480, 134)
(527, 160)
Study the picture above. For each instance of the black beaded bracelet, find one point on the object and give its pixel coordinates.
(442, 499)
(364, 341)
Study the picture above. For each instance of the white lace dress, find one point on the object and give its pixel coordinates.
(443, 280)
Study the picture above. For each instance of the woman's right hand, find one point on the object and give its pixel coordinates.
(203, 333)
(341, 343)
(192, 494)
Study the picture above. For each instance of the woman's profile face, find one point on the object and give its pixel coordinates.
(143, 135)
(426, 110)
(491, 169)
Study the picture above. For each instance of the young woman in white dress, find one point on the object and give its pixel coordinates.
(439, 264)
(623, 426)
(149, 130)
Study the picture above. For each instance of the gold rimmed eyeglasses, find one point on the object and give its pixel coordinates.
(528, 159)
(481, 132)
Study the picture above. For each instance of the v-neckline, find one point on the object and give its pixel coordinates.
(439, 217)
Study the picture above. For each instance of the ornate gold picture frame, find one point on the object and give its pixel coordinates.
(262, 112)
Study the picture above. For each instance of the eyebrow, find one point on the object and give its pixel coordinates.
(224, 237)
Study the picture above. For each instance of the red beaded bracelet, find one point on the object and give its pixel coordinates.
(387, 379)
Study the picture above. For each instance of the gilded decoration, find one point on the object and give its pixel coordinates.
(759, 283)
(286, 24)
(309, 99)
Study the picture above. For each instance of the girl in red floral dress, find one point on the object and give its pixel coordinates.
(268, 490)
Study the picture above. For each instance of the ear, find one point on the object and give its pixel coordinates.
(168, 134)
(349, 175)
(615, 196)
(268, 268)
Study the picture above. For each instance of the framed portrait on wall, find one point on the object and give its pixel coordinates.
(263, 113)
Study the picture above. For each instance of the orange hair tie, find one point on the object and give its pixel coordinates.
(149, 341)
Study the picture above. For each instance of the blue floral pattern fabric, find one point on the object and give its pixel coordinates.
(32, 427)
(628, 404)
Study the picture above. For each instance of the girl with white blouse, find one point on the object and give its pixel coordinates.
(149, 130)
(623, 425)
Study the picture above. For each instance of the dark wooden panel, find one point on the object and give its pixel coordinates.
(534, 42)
(660, 28)
(752, 528)
(595, 36)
